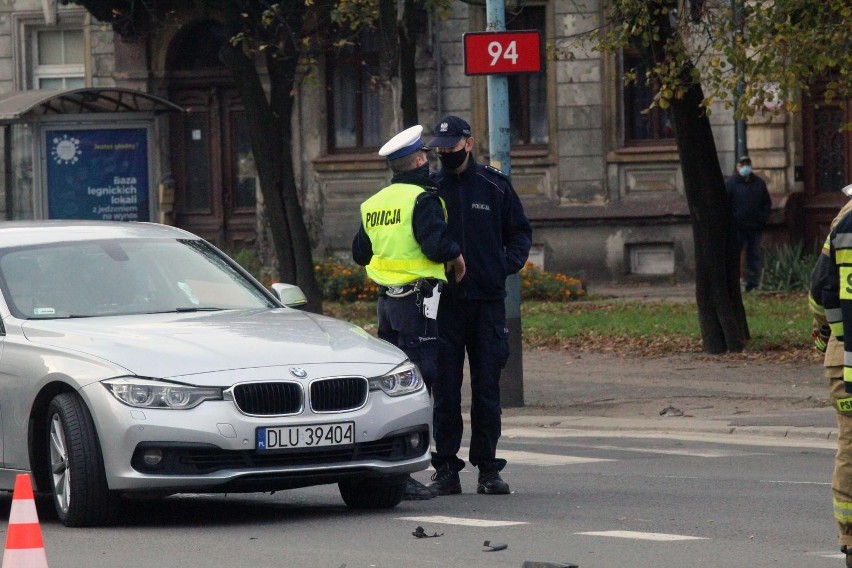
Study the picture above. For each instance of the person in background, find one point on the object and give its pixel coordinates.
(751, 206)
(403, 243)
(829, 302)
(486, 217)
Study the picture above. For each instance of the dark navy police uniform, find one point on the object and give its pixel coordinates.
(399, 318)
(486, 217)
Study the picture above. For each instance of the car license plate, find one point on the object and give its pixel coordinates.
(313, 436)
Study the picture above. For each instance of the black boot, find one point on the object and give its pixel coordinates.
(445, 481)
(490, 482)
(848, 552)
(415, 491)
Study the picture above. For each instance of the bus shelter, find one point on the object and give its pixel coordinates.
(81, 153)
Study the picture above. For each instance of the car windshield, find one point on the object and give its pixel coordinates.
(119, 277)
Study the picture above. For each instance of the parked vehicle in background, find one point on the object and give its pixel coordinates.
(138, 359)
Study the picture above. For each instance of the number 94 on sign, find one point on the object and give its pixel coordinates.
(489, 53)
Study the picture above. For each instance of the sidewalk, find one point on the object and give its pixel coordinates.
(679, 394)
(686, 394)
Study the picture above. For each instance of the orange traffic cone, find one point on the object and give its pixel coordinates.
(24, 545)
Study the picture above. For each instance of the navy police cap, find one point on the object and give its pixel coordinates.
(449, 131)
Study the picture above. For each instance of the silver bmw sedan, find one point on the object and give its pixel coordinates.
(138, 359)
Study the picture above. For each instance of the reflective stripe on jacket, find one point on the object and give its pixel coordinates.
(836, 290)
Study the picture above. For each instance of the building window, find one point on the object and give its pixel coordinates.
(354, 96)
(58, 59)
(651, 259)
(642, 126)
(528, 92)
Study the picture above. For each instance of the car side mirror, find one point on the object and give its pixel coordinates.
(290, 295)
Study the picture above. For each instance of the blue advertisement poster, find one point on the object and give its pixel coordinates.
(98, 174)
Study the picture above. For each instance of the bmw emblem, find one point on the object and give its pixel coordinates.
(298, 372)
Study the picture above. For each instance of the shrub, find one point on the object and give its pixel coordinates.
(787, 269)
(554, 287)
(344, 282)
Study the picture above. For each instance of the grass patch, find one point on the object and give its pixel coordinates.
(780, 325)
(545, 323)
(774, 319)
(778, 322)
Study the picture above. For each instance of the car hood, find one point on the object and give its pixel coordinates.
(169, 345)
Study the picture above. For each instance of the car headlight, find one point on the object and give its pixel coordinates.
(146, 393)
(402, 380)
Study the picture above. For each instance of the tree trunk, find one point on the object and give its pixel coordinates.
(717, 279)
(721, 314)
(269, 130)
(407, 69)
(399, 49)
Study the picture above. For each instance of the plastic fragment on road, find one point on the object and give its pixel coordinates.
(671, 411)
(489, 546)
(420, 533)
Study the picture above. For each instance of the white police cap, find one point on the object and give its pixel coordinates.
(406, 142)
(847, 191)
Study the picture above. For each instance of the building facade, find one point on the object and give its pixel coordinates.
(599, 178)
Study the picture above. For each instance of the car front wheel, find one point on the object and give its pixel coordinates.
(78, 481)
(372, 493)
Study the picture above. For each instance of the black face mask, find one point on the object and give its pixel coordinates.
(452, 160)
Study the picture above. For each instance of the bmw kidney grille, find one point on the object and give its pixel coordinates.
(267, 399)
(338, 394)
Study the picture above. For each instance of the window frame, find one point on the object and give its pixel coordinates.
(627, 108)
(366, 66)
(63, 71)
(26, 26)
(520, 114)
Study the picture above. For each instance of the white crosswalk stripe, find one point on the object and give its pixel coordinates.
(642, 535)
(708, 453)
(536, 458)
(537, 433)
(462, 521)
(837, 555)
(547, 459)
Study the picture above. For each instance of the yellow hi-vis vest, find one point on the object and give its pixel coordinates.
(387, 219)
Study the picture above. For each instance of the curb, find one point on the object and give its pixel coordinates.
(671, 427)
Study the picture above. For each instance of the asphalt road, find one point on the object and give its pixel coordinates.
(597, 500)
(613, 461)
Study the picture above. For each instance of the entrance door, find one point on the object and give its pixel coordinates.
(827, 161)
(215, 177)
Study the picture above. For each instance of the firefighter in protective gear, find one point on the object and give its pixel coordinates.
(403, 243)
(830, 300)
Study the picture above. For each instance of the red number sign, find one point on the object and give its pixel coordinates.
(493, 53)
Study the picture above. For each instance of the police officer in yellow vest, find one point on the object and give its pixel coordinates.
(403, 243)
(831, 303)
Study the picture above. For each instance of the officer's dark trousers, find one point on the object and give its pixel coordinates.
(402, 324)
(478, 327)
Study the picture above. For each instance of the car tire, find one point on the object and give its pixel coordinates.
(75, 465)
(372, 493)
